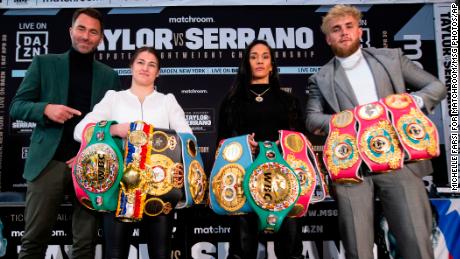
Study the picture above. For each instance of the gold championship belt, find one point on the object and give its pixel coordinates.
(341, 156)
(132, 195)
(378, 143)
(98, 168)
(164, 174)
(417, 133)
(195, 179)
(154, 179)
(226, 194)
(80, 193)
(298, 153)
(271, 186)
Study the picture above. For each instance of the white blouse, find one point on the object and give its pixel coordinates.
(158, 109)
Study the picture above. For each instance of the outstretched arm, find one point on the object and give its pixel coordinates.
(317, 121)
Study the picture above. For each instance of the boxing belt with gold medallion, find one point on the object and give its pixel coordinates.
(226, 194)
(165, 173)
(132, 195)
(341, 156)
(195, 180)
(161, 180)
(99, 168)
(271, 187)
(417, 133)
(80, 193)
(297, 152)
(378, 143)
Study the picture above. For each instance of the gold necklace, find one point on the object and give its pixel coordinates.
(259, 97)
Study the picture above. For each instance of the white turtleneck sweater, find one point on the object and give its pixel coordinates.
(360, 77)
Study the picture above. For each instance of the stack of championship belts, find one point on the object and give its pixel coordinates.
(98, 167)
(273, 185)
(163, 170)
(390, 131)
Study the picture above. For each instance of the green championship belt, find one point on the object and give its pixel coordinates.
(271, 186)
(99, 168)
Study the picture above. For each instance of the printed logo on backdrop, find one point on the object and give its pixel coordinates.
(200, 120)
(193, 91)
(19, 127)
(418, 28)
(24, 153)
(30, 44)
(366, 38)
(205, 38)
(197, 37)
(211, 230)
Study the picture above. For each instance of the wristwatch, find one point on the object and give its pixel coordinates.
(271, 186)
(99, 168)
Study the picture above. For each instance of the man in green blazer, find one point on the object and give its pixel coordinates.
(56, 91)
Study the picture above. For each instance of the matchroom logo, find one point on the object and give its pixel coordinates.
(30, 44)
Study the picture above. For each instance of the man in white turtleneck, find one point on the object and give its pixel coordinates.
(357, 76)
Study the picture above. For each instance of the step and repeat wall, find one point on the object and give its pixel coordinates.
(200, 48)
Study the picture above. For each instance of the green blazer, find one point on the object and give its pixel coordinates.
(47, 81)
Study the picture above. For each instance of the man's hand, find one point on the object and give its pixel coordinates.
(70, 162)
(319, 132)
(60, 113)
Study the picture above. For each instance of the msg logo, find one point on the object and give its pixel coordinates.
(30, 44)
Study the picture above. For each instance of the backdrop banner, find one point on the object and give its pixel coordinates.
(200, 49)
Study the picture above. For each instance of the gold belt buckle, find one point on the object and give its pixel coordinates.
(155, 206)
(228, 187)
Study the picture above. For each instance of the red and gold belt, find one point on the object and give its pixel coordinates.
(378, 143)
(417, 133)
(296, 149)
(341, 156)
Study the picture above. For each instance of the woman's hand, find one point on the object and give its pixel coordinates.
(120, 130)
(253, 144)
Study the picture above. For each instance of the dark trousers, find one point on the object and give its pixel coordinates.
(117, 236)
(44, 196)
(245, 238)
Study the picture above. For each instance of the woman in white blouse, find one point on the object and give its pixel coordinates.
(141, 102)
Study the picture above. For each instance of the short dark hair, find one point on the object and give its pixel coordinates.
(91, 12)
